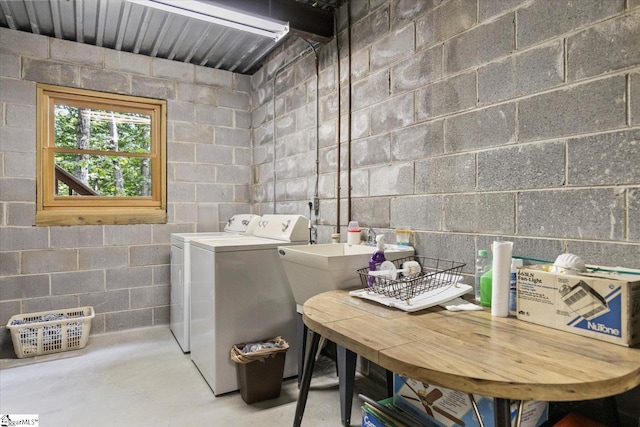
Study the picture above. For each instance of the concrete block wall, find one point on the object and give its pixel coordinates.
(122, 271)
(471, 121)
(294, 127)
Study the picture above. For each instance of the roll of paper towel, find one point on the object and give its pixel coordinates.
(501, 276)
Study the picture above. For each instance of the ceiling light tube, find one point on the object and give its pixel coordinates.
(221, 16)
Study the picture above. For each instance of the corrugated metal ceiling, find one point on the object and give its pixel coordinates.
(132, 27)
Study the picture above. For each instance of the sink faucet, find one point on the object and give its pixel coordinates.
(312, 230)
(371, 237)
(313, 234)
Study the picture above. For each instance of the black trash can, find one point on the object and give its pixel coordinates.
(259, 368)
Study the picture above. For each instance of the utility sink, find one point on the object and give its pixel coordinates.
(314, 269)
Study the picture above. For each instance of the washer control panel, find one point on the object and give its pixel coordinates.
(288, 228)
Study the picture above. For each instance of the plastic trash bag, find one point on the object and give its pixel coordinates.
(250, 352)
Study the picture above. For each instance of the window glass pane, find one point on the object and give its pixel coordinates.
(93, 175)
(97, 154)
(94, 129)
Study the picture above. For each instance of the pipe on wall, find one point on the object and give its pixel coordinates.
(275, 78)
(317, 130)
(339, 130)
(349, 113)
(339, 158)
(338, 154)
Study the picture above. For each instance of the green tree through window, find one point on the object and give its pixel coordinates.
(109, 131)
(100, 155)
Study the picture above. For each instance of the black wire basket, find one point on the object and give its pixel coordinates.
(434, 273)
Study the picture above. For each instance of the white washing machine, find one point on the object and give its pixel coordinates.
(240, 294)
(238, 225)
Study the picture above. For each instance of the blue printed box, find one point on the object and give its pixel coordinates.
(600, 305)
(372, 420)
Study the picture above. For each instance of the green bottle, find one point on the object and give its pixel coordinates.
(485, 288)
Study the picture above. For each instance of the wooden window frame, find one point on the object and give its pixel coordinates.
(91, 210)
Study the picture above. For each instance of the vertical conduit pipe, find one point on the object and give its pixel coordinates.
(275, 78)
(338, 156)
(349, 108)
(317, 123)
(339, 187)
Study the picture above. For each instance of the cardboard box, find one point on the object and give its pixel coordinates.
(604, 306)
(442, 407)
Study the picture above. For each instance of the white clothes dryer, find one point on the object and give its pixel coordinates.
(238, 225)
(240, 294)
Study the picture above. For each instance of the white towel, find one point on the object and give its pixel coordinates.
(459, 304)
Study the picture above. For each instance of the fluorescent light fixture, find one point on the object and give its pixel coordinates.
(219, 15)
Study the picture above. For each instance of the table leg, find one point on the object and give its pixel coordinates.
(346, 379)
(476, 411)
(389, 383)
(519, 413)
(610, 407)
(302, 339)
(502, 412)
(306, 379)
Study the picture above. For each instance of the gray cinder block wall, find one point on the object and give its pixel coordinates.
(122, 271)
(471, 121)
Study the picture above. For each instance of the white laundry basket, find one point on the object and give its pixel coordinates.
(53, 331)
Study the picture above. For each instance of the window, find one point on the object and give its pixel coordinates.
(100, 158)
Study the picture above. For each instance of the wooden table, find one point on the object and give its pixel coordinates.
(473, 352)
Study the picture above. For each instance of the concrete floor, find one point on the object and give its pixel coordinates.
(142, 378)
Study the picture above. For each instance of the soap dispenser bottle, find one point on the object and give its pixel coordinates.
(377, 258)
